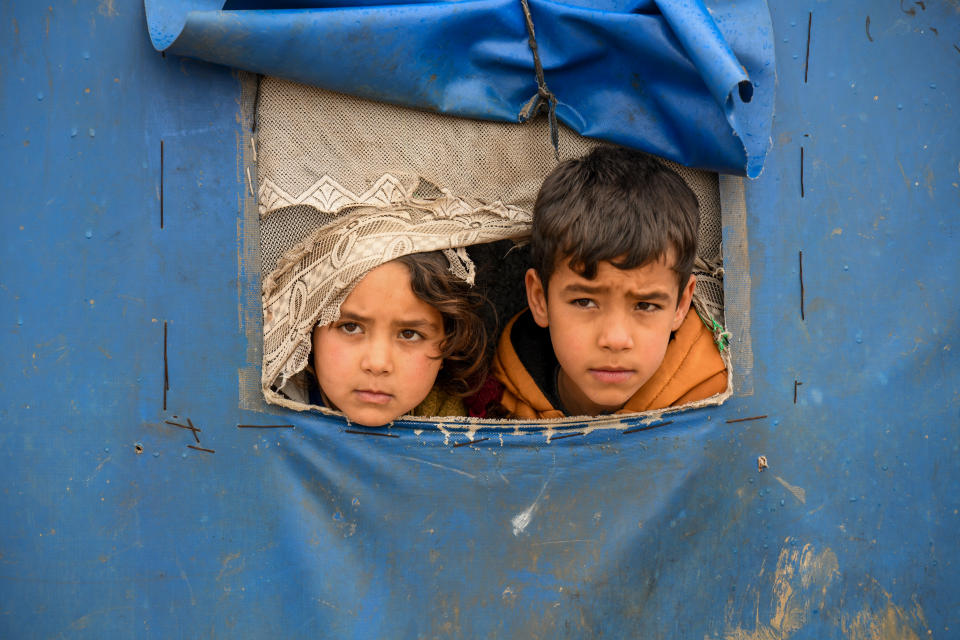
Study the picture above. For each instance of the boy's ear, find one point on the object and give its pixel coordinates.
(536, 297)
(683, 304)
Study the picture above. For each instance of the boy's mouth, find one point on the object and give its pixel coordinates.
(372, 396)
(612, 375)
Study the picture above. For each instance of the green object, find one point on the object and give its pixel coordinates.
(720, 334)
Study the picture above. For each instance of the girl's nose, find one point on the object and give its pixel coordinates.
(378, 357)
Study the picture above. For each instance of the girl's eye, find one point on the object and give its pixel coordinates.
(410, 335)
(583, 303)
(350, 328)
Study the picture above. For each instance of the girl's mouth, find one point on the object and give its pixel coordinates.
(372, 396)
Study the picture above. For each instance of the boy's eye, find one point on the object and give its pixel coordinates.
(647, 306)
(410, 335)
(583, 303)
(350, 328)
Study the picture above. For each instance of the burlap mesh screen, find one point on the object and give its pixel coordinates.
(322, 156)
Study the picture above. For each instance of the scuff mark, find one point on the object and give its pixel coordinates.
(183, 576)
(888, 625)
(892, 623)
(107, 9)
(761, 633)
(793, 605)
(334, 607)
(522, 520)
(903, 173)
(440, 466)
(225, 565)
(97, 470)
(928, 181)
(83, 622)
(798, 492)
(800, 585)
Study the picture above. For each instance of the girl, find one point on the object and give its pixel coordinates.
(409, 340)
(382, 298)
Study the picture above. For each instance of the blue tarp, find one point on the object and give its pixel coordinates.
(112, 526)
(679, 79)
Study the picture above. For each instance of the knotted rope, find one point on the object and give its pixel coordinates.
(543, 97)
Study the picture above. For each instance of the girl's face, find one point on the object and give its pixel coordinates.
(380, 359)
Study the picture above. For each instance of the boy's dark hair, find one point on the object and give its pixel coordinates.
(464, 346)
(617, 205)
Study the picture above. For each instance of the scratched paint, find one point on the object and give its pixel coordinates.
(891, 623)
(798, 492)
(522, 520)
(800, 589)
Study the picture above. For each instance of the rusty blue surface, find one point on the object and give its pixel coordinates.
(665, 533)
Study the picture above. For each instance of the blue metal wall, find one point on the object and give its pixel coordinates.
(311, 531)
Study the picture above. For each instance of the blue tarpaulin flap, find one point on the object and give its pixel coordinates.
(683, 79)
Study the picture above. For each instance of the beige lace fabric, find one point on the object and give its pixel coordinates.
(314, 278)
(346, 184)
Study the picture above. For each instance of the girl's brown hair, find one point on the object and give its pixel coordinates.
(464, 345)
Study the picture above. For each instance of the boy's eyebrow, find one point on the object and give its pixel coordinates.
(577, 287)
(651, 295)
(655, 294)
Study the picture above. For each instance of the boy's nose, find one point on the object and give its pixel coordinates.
(615, 335)
(378, 358)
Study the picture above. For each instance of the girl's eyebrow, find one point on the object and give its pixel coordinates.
(416, 324)
(347, 315)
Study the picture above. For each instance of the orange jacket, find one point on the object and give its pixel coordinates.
(692, 369)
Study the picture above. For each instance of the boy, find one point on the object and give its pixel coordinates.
(608, 328)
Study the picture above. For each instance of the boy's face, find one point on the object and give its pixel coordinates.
(380, 359)
(609, 333)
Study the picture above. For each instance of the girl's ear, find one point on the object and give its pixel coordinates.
(683, 304)
(536, 298)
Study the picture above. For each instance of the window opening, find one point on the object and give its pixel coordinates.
(322, 154)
